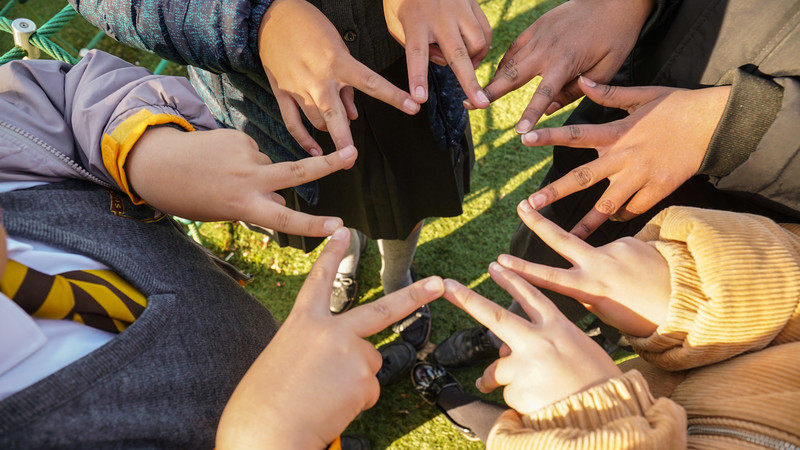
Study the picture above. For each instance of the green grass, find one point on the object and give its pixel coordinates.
(460, 247)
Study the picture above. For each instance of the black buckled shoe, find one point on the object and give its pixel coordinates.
(416, 328)
(429, 381)
(344, 293)
(398, 359)
(465, 348)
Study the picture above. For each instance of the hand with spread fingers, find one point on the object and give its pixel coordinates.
(221, 175)
(318, 373)
(447, 32)
(626, 283)
(310, 69)
(544, 359)
(562, 44)
(645, 156)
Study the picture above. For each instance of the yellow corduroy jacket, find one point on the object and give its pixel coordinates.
(723, 371)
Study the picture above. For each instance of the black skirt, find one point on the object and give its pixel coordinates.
(401, 175)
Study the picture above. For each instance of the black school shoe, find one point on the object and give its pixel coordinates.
(429, 381)
(354, 442)
(416, 327)
(398, 359)
(465, 348)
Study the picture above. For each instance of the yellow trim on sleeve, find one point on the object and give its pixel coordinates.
(117, 145)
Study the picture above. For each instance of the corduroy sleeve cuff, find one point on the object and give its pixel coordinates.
(752, 106)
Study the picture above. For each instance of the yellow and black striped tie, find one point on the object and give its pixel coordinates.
(97, 298)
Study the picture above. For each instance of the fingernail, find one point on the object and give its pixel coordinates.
(479, 384)
(439, 60)
(313, 151)
(420, 92)
(467, 104)
(410, 106)
(538, 201)
(523, 126)
(482, 97)
(341, 232)
(588, 82)
(347, 152)
(450, 284)
(525, 206)
(434, 285)
(496, 267)
(504, 260)
(530, 138)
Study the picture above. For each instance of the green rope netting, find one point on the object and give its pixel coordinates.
(41, 37)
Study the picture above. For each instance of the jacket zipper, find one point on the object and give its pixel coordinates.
(80, 171)
(747, 436)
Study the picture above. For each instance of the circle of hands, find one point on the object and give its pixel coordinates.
(313, 75)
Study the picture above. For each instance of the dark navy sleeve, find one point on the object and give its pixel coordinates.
(216, 35)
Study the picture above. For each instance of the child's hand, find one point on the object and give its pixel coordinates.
(449, 32)
(318, 372)
(309, 67)
(625, 283)
(542, 360)
(221, 175)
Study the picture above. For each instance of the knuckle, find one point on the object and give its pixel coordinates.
(330, 114)
(283, 220)
(575, 132)
(380, 310)
(583, 175)
(606, 206)
(551, 192)
(545, 91)
(372, 81)
(298, 170)
(458, 54)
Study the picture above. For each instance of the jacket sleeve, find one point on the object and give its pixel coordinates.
(81, 121)
(618, 414)
(219, 36)
(735, 286)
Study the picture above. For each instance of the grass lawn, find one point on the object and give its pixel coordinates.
(459, 247)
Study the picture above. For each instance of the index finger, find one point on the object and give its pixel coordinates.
(455, 51)
(294, 173)
(571, 247)
(507, 326)
(371, 83)
(366, 320)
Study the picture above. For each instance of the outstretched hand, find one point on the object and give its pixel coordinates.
(645, 156)
(448, 32)
(318, 373)
(310, 69)
(626, 283)
(542, 360)
(221, 175)
(565, 42)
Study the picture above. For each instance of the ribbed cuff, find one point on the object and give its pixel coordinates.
(623, 396)
(752, 106)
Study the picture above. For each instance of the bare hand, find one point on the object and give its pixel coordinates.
(318, 373)
(587, 37)
(543, 360)
(645, 156)
(309, 67)
(625, 283)
(220, 175)
(448, 32)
